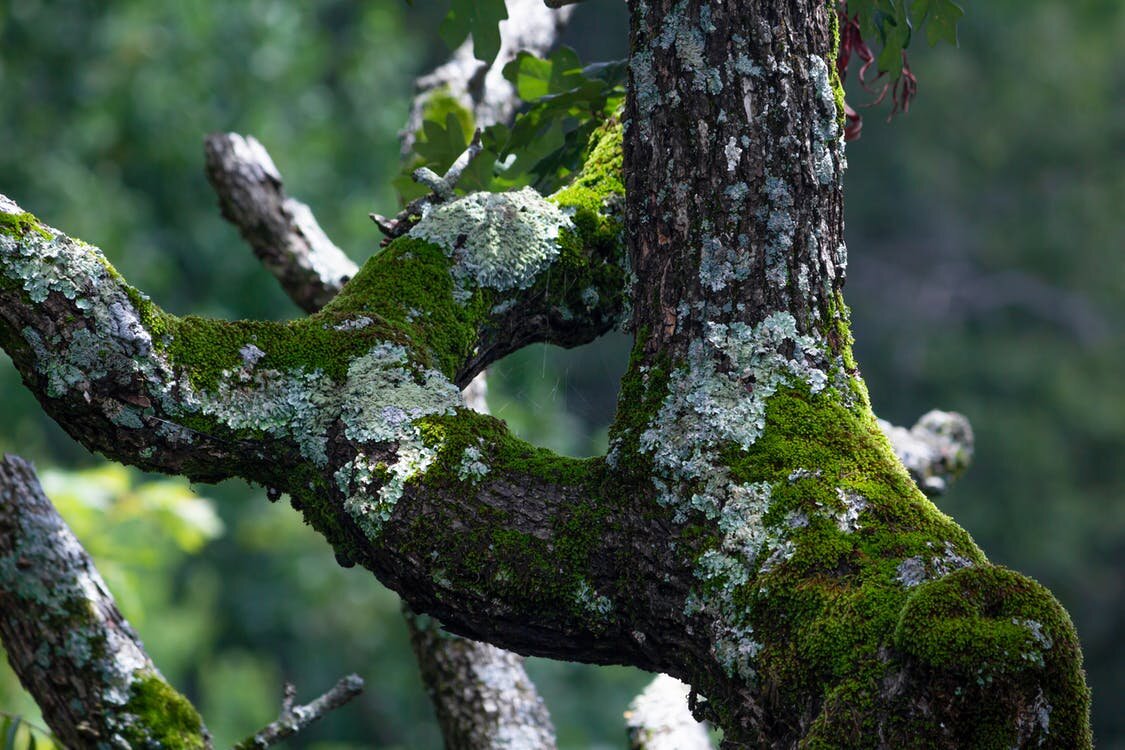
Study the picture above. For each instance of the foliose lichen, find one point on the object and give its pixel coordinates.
(498, 241)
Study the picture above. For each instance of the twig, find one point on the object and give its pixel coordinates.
(294, 719)
(442, 187)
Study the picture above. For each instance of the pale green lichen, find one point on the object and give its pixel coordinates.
(720, 263)
(719, 399)
(498, 241)
(471, 464)
(827, 132)
(780, 228)
(918, 569)
(593, 603)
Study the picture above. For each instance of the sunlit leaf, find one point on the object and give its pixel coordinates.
(481, 18)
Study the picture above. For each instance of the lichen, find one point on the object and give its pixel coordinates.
(471, 464)
(498, 241)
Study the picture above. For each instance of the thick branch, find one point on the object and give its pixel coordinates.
(282, 230)
(482, 694)
(66, 639)
(355, 411)
(834, 596)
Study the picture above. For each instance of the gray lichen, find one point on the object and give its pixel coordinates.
(719, 399)
(471, 464)
(498, 241)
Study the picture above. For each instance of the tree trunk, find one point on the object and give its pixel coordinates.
(750, 530)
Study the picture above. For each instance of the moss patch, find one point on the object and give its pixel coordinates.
(161, 717)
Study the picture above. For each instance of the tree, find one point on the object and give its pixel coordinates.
(749, 531)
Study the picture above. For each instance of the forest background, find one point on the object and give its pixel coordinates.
(987, 276)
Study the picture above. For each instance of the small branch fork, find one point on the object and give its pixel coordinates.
(442, 187)
(294, 718)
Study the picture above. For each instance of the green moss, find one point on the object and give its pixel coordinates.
(484, 551)
(409, 288)
(162, 718)
(20, 224)
(205, 347)
(831, 59)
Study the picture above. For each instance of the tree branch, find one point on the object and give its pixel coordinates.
(659, 719)
(936, 450)
(66, 639)
(294, 719)
(281, 230)
(482, 695)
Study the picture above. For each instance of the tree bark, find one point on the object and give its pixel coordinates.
(750, 530)
(67, 641)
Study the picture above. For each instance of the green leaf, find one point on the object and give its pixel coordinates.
(535, 77)
(894, 31)
(530, 75)
(941, 17)
(11, 728)
(441, 144)
(481, 18)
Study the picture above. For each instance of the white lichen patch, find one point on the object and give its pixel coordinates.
(290, 404)
(721, 396)
(721, 264)
(826, 133)
(359, 323)
(251, 355)
(377, 402)
(382, 395)
(472, 467)
(498, 241)
(921, 568)
(593, 603)
(852, 504)
(733, 153)
(780, 230)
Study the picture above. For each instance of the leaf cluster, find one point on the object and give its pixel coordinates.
(893, 22)
(547, 141)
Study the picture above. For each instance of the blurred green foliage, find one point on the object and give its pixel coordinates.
(986, 276)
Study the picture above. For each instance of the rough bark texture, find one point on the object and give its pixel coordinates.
(66, 639)
(750, 530)
(482, 694)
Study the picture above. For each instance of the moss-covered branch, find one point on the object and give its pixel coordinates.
(66, 639)
(357, 408)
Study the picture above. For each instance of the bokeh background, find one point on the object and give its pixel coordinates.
(987, 275)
